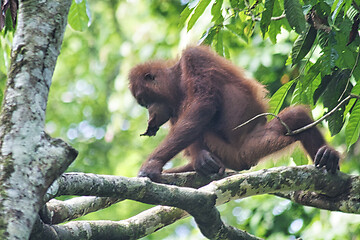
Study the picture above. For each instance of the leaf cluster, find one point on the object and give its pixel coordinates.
(326, 50)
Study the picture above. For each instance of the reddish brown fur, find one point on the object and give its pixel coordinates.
(205, 97)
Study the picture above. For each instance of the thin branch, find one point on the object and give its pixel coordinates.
(282, 16)
(299, 130)
(265, 114)
(323, 117)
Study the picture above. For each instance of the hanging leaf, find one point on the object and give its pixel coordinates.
(184, 15)
(302, 94)
(226, 52)
(322, 87)
(294, 15)
(303, 45)
(311, 74)
(278, 98)
(236, 4)
(335, 89)
(275, 26)
(336, 7)
(219, 47)
(238, 30)
(356, 91)
(328, 59)
(352, 129)
(199, 10)
(208, 37)
(297, 95)
(78, 18)
(266, 16)
(216, 12)
(323, 38)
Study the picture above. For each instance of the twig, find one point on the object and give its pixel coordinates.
(299, 130)
(272, 18)
(323, 117)
(265, 114)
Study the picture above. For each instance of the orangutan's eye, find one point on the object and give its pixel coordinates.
(149, 77)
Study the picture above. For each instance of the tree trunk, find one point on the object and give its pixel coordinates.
(29, 159)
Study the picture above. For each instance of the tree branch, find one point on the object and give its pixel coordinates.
(297, 131)
(61, 211)
(323, 117)
(338, 192)
(277, 18)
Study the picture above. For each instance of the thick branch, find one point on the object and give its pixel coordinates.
(340, 191)
(280, 179)
(135, 227)
(62, 211)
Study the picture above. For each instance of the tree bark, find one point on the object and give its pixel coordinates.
(29, 159)
(312, 186)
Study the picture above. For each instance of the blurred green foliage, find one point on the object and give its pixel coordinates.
(91, 107)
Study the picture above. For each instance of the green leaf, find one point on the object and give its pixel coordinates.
(323, 38)
(278, 98)
(328, 59)
(294, 15)
(78, 18)
(184, 15)
(352, 129)
(208, 37)
(347, 6)
(323, 10)
(216, 12)
(336, 7)
(8, 21)
(311, 74)
(274, 30)
(237, 4)
(299, 157)
(304, 90)
(303, 45)
(275, 26)
(266, 16)
(355, 90)
(238, 30)
(249, 29)
(322, 87)
(226, 52)
(298, 93)
(331, 97)
(199, 10)
(219, 47)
